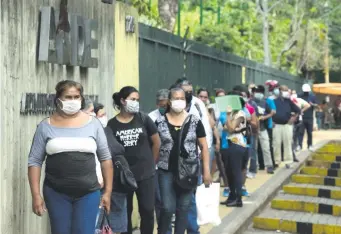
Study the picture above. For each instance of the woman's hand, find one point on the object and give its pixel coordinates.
(229, 109)
(38, 205)
(106, 201)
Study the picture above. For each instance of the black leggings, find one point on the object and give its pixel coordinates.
(233, 158)
(146, 202)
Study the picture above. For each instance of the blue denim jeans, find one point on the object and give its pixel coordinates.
(174, 200)
(192, 226)
(253, 154)
(69, 215)
(158, 203)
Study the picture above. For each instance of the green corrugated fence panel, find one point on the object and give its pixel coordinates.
(162, 61)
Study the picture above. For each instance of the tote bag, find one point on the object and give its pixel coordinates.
(207, 199)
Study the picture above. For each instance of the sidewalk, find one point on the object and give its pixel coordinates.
(261, 178)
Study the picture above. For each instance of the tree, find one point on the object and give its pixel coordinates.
(168, 10)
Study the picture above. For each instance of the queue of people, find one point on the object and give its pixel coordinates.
(94, 166)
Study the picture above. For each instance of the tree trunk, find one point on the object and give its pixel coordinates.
(266, 43)
(168, 10)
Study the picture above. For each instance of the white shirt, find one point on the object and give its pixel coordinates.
(204, 118)
(154, 115)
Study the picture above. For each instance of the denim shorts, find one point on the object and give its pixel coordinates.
(118, 218)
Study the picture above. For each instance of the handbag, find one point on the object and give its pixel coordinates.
(124, 179)
(187, 175)
(123, 175)
(104, 223)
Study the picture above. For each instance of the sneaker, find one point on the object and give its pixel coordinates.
(226, 192)
(250, 175)
(310, 148)
(270, 170)
(298, 148)
(245, 192)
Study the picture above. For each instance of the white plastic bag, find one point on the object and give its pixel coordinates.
(207, 200)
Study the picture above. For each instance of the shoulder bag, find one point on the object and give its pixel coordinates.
(187, 175)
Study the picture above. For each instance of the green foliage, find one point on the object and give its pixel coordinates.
(239, 30)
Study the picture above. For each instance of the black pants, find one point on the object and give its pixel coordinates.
(306, 125)
(233, 158)
(221, 168)
(260, 157)
(146, 201)
(271, 146)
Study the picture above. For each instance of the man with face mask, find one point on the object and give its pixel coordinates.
(264, 112)
(161, 104)
(308, 117)
(283, 130)
(195, 107)
(162, 97)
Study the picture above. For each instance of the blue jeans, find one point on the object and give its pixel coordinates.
(174, 200)
(192, 226)
(70, 215)
(253, 154)
(158, 203)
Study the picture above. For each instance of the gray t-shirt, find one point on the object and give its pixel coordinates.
(70, 155)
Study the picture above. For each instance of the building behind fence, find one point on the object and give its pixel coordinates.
(165, 57)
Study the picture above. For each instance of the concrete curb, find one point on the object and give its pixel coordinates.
(240, 218)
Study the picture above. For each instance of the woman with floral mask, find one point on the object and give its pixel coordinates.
(140, 139)
(69, 140)
(176, 150)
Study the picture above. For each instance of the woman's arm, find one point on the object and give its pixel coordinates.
(231, 125)
(108, 175)
(104, 156)
(254, 121)
(156, 143)
(35, 162)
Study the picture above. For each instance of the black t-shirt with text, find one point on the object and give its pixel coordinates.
(134, 136)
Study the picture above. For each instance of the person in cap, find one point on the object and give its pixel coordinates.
(161, 104)
(308, 117)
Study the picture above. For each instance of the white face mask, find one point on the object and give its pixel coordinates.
(71, 107)
(103, 120)
(178, 105)
(132, 106)
(285, 94)
(259, 96)
(276, 92)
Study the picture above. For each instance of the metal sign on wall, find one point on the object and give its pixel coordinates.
(73, 48)
(42, 103)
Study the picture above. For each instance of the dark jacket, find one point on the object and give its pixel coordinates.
(117, 154)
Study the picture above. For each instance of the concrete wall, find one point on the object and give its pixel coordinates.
(21, 73)
(126, 48)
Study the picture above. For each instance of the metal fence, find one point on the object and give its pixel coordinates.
(165, 57)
